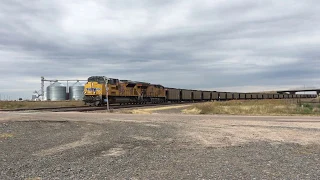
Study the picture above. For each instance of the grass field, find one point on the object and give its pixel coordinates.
(38, 104)
(258, 107)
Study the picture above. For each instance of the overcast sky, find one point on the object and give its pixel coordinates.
(229, 45)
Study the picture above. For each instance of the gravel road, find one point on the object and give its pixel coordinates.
(157, 146)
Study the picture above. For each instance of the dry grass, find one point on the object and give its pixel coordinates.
(38, 104)
(6, 135)
(256, 107)
(152, 109)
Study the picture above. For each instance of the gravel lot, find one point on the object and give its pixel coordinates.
(42, 145)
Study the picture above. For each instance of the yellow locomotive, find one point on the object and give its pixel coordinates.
(100, 89)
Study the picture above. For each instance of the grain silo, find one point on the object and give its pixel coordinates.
(56, 92)
(76, 91)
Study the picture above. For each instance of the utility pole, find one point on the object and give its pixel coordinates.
(42, 88)
(107, 94)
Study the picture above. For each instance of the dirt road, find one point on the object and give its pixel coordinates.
(157, 146)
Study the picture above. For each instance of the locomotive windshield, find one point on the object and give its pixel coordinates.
(102, 79)
(99, 79)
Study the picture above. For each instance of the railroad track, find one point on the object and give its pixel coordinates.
(90, 108)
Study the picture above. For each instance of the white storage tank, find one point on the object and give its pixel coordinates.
(56, 92)
(76, 91)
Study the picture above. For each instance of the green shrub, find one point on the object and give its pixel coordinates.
(309, 106)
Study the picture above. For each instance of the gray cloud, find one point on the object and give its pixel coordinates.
(222, 45)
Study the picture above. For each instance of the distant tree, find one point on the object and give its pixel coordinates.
(20, 99)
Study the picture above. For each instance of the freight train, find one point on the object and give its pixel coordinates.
(100, 89)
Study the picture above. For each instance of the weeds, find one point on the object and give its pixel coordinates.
(254, 107)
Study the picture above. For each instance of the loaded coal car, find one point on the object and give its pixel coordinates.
(196, 95)
(236, 96)
(186, 95)
(254, 96)
(206, 95)
(270, 96)
(222, 96)
(215, 95)
(229, 96)
(242, 95)
(281, 96)
(173, 95)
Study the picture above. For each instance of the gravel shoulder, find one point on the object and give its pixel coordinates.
(159, 145)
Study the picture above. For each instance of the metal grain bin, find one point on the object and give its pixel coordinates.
(56, 92)
(186, 95)
(222, 95)
(197, 95)
(76, 91)
(206, 95)
(229, 95)
(236, 96)
(215, 96)
(242, 96)
(173, 94)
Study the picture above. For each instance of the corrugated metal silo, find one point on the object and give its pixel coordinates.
(76, 91)
(56, 92)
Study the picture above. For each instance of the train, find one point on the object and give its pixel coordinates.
(100, 90)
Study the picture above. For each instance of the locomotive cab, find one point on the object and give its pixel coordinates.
(95, 90)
